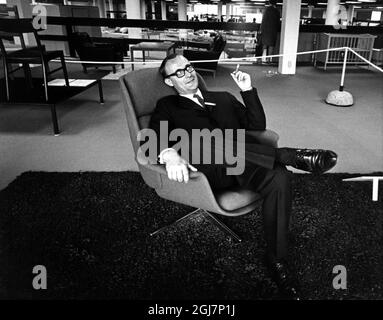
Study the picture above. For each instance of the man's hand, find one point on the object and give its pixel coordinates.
(242, 79)
(176, 166)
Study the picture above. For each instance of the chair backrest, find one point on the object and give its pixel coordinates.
(8, 12)
(219, 43)
(17, 28)
(141, 90)
(81, 42)
(81, 39)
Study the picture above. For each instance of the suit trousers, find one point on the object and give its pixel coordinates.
(274, 185)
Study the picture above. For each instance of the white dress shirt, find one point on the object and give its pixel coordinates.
(191, 97)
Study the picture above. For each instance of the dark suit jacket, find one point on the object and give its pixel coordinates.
(228, 113)
(270, 26)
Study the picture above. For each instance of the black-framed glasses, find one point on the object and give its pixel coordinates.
(181, 72)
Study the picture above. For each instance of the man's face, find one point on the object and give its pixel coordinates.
(185, 85)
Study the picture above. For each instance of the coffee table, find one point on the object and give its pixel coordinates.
(166, 46)
(58, 92)
(76, 86)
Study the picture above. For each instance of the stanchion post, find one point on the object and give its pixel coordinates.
(341, 87)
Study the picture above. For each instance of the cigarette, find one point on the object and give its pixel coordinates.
(236, 70)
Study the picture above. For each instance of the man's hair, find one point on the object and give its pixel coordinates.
(273, 2)
(165, 61)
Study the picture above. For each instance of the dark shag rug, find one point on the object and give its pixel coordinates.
(91, 232)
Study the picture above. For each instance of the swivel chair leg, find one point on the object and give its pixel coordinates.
(207, 216)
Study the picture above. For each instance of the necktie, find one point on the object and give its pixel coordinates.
(200, 100)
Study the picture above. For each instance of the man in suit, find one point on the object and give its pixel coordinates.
(265, 170)
(269, 30)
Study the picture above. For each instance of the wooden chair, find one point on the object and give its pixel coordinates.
(26, 56)
(8, 12)
(212, 54)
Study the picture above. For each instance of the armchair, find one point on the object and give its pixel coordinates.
(197, 192)
(87, 50)
(212, 54)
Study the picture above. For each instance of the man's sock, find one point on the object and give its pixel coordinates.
(285, 156)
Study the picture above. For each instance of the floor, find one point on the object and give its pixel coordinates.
(95, 137)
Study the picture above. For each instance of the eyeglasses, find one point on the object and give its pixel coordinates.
(181, 72)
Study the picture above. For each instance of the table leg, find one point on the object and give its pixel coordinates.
(132, 58)
(143, 56)
(56, 129)
(100, 91)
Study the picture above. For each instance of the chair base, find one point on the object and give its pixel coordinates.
(207, 215)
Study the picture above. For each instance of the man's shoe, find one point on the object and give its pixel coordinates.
(315, 160)
(282, 276)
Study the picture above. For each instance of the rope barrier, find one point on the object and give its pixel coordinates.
(365, 60)
(227, 60)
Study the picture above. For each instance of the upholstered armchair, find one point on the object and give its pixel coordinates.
(87, 50)
(197, 193)
(212, 54)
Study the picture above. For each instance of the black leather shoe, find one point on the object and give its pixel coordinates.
(315, 160)
(281, 274)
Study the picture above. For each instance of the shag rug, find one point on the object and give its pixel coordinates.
(91, 232)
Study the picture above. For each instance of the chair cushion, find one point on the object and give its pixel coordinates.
(233, 199)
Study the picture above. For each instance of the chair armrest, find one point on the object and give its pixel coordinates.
(154, 174)
(195, 193)
(266, 137)
(160, 169)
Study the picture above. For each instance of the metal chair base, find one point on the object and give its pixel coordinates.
(207, 216)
